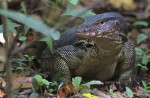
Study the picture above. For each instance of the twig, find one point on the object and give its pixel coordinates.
(9, 90)
(25, 45)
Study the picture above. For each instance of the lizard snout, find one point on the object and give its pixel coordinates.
(86, 35)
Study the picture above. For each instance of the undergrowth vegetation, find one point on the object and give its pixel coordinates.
(17, 26)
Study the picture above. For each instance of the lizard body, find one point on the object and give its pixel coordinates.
(97, 49)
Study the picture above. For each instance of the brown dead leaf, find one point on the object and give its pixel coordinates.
(21, 80)
(113, 87)
(87, 2)
(2, 94)
(138, 91)
(2, 86)
(65, 90)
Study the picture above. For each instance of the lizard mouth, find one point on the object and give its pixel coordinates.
(86, 35)
(110, 36)
(95, 34)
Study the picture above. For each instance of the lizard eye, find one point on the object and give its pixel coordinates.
(99, 22)
(102, 21)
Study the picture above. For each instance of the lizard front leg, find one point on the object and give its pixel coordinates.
(126, 70)
(61, 69)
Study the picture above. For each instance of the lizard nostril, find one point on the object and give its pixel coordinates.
(117, 23)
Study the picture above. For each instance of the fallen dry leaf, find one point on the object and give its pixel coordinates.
(65, 90)
(2, 94)
(21, 80)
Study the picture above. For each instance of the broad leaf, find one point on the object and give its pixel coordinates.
(139, 50)
(145, 60)
(74, 2)
(44, 81)
(140, 23)
(129, 92)
(11, 26)
(141, 37)
(59, 2)
(147, 51)
(48, 41)
(75, 12)
(76, 81)
(35, 85)
(144, 84)
(38, 78)
(22, 38)
(34, 95)
(30, 22)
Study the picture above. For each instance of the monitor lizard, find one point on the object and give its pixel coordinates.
(97, 49)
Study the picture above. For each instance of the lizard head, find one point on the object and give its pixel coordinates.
(110, 28)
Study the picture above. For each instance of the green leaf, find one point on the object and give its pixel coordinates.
(139, 65)
(140, 23)
(48, 41)
(92, 83)
(75, 12)
(139, 50)
(34, 95)
(51, 90)
(111, 91)
(147, 51)
(76, 81)
(22, 38)
(11, 26)
(129, 92)
(26, 29)
(59, 2)
(145, 60)
(24, 8)
(35, 85)
(32, 23)
(142, 67)
(22, 68)
(144, 84)
(38, 78)
(74, 2)
(46, 82)
(141, 37)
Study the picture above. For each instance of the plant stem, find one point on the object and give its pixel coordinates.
(9, 90)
